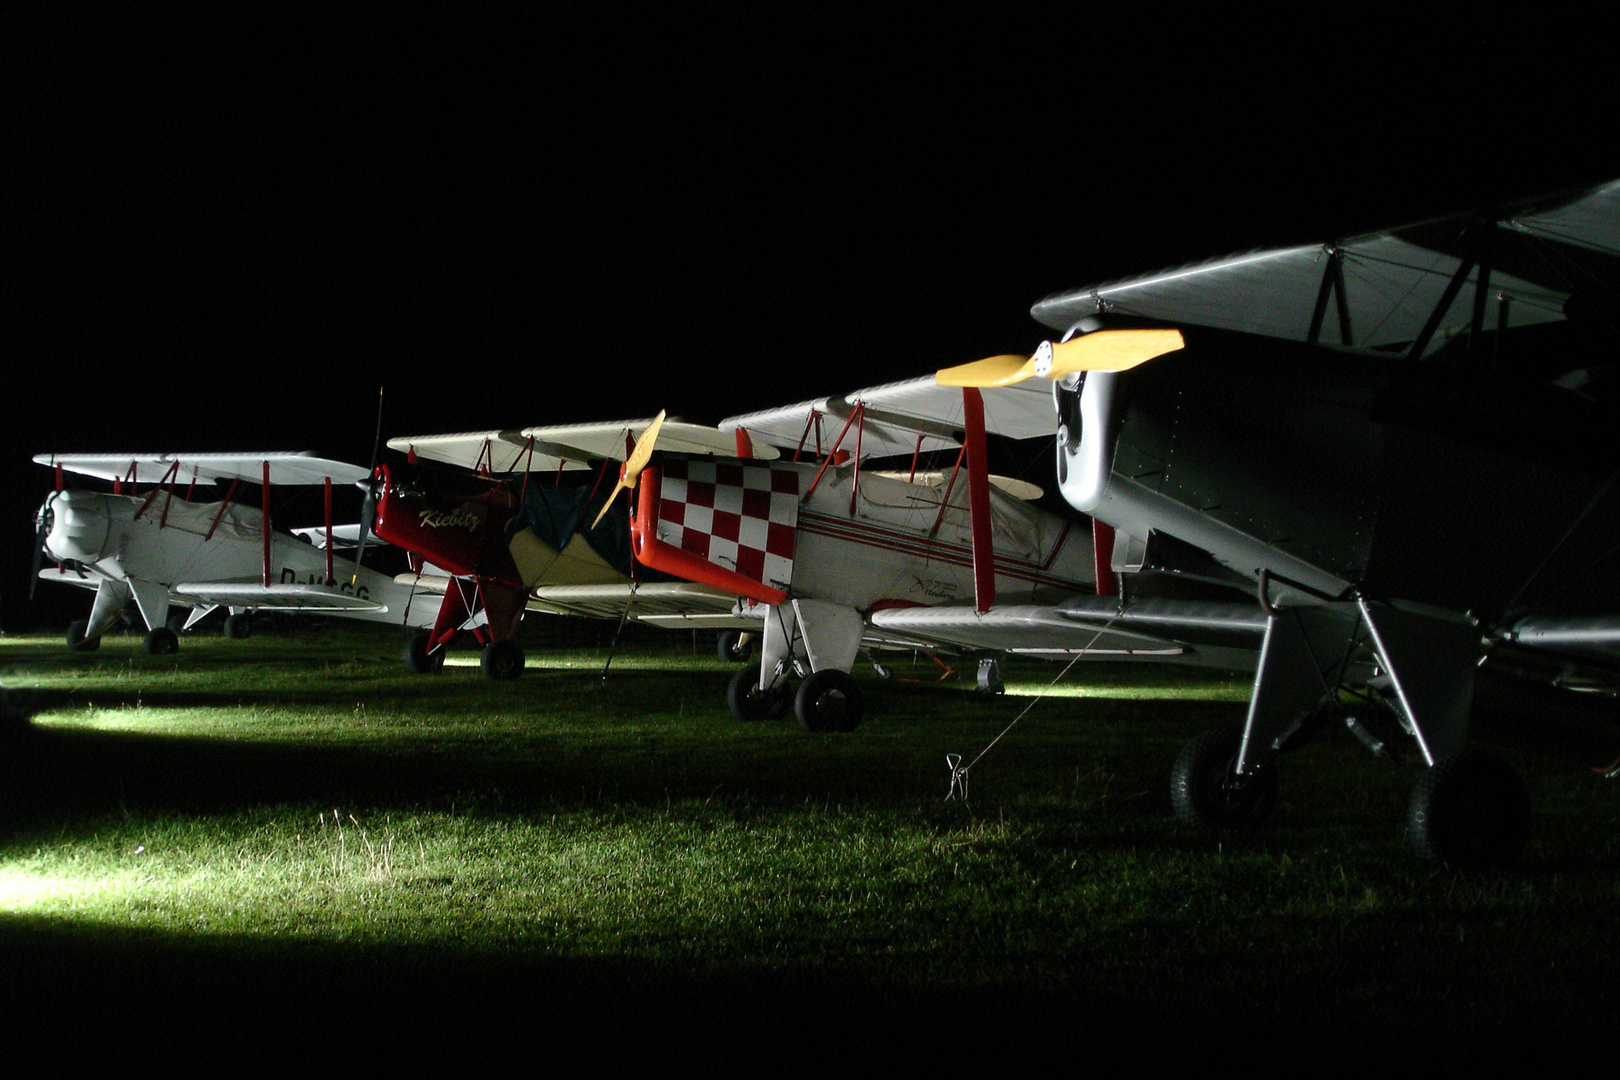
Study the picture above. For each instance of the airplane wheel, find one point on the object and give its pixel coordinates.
(161, 642)
(829, 700)
(736, 646)
(418, 661)
(77, 639)
(1207, 794)
(1470, 810)
(502, 660)
(748, 702)
(239, 627)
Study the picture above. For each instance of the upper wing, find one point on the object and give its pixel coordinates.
(1096, 627)
(282, 468)
(564, 446)
(1376, 290)
(900, 418)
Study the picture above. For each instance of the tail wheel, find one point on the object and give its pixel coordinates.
(1207, 792)
(736, 646)
(829, 700)
(1470, 810)
(502, 660)
(418, 660)
(748, 702)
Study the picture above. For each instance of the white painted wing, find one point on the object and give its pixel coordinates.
(284, 468)
(1393, 280)
(567, 447)
(668, 604)
(1183, 632)
(289, 597)
(896, 415)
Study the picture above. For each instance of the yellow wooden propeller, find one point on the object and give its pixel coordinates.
(640, 454)
(1100, 350)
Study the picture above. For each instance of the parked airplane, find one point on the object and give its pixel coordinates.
(809, 551)
(491, 508)
(1424, 511)
(161, 548)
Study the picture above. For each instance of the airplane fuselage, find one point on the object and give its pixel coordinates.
(167, 550)
(1340, 472)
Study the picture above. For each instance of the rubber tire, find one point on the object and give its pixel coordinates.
(748, 702)
(829, 700)
(76, 639)
(1205, 793)
(239, 627)
(1469, 811)
(418, 661)
(502, 660)
(734, 647)
(161, 642)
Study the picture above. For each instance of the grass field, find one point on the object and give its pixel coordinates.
(291, 836)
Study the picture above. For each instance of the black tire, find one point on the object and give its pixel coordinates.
(77, 639)
(1470, 810)
(239, 627)
(748, 702)
(1207, 794)
(736, 646)
(161, 642)
(829, 700)
(502, 660)
(418, 661)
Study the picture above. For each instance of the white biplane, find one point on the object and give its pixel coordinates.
(161, 548)
(1424, 511)
(811, 549)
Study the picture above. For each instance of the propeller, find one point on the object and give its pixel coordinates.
(640, 454)
(42, 532)
(1100, 350)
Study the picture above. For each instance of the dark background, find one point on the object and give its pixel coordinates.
(227, 231)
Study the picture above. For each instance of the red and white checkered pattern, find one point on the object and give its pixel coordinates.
(737, 516)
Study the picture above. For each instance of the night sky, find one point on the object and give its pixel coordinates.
(227, 233)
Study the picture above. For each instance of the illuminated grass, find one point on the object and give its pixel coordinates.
(305, 793)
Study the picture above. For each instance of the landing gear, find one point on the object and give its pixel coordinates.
(829, 700)
(161, 642)
(418, 660)
(736, 646)
(76, 639)
(1206, 791)
(748, 702)
(502, 660)
(1470, 810)
(239, 627)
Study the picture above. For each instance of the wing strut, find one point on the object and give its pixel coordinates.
(984, 555)
(264, 523)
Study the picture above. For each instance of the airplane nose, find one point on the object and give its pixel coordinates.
(74, 525)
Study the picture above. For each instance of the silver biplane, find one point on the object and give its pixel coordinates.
(172, 545)
(1384, 442)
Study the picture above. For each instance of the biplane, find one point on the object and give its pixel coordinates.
(807, 547)
(1400, 446)
(174, 545)
(515, 521)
